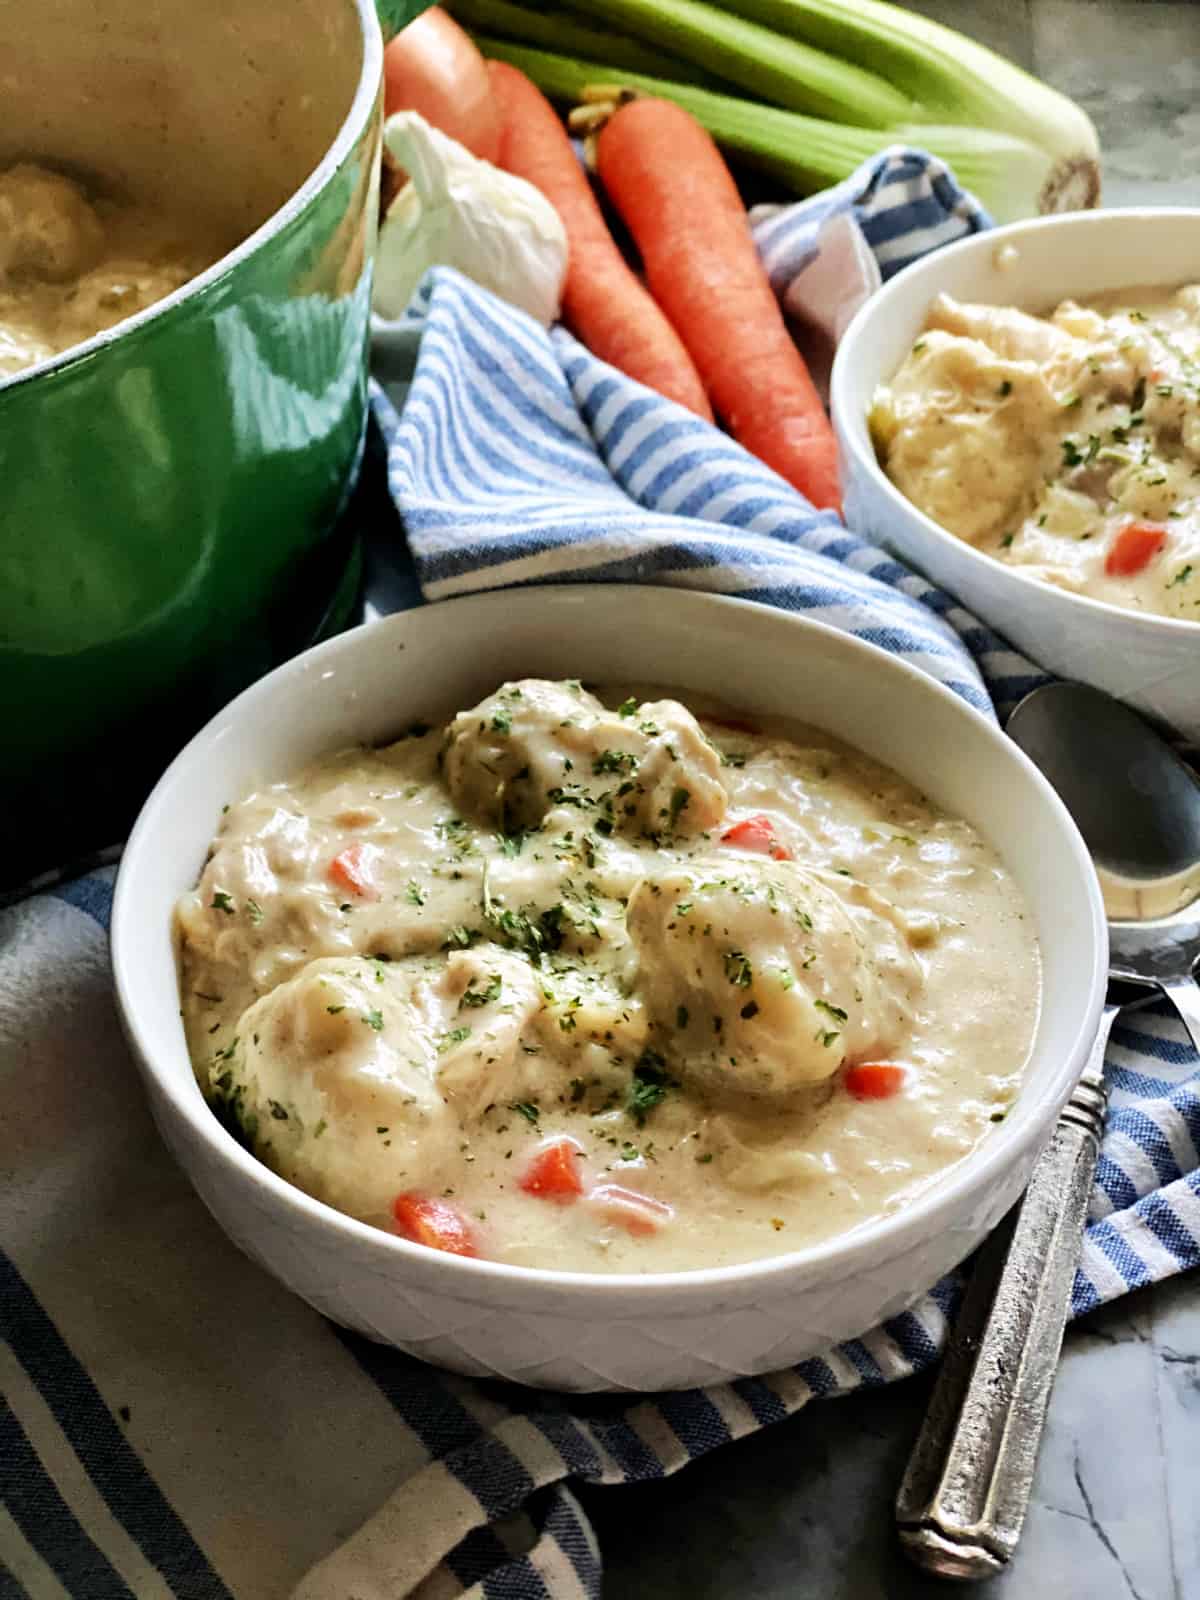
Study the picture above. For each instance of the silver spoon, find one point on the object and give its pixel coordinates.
(1137, 806)
(962, 1501)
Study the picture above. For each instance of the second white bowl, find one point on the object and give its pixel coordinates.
(1151, 662)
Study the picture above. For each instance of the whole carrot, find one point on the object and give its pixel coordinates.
(603, 302)
(670, 183)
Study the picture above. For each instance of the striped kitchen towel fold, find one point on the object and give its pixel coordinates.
(175, 1423)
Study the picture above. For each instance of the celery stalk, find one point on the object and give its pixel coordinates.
(806, 153)
(565, 33)
(771, 67)
(950, 78)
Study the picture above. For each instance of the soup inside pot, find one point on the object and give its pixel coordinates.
(140, 143)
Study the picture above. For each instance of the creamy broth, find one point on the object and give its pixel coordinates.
(71, 266)
(1067, 445)
(682, 944)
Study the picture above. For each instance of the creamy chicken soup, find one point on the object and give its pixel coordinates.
(71, 266)
(590, 981)
(1067, 445)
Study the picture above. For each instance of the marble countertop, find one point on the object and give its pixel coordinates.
(804, 1509)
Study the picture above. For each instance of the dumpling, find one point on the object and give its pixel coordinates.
(535, 746)
(48, 231)
(763, 979)
(355, 1078)
(961, 432)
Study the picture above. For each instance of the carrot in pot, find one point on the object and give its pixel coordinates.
(757, 833)
(875, 1080)
(671, 186)
(434, 1223)
(603, 302)
(554, 1173)
(1134, 548)
(351, 868)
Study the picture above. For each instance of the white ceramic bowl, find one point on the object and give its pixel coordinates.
(575, 1330)
(1151, 662)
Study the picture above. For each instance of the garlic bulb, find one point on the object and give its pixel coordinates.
(458, 211)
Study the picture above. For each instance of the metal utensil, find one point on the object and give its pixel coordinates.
(1163, 954)
(1137, 806)
(963, 1498)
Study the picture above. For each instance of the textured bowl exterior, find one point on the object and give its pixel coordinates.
(1153, 663)
(571, 1330)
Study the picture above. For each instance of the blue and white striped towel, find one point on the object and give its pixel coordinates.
(175, 1424)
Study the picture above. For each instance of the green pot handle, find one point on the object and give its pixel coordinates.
(396, 14)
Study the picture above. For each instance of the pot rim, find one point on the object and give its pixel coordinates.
(365, 95)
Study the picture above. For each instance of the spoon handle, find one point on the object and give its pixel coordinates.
(964, 1495)
(1184, 995)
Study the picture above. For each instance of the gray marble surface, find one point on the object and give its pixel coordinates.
(803, 1509)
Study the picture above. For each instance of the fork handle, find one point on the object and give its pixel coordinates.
(963, 1498)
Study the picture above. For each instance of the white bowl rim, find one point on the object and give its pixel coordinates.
(856, 432)
(298, 201)
(999, 1149)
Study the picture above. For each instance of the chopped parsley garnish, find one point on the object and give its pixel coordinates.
(648, 1086)
(277, 1111)
(828, 1038)
(449, 1040)
(704, 1159)
(1181, 576)
(513, 843)
(738, 969)
(572, 795)
(223, 902)
(1138, 399)
(482, 997)
(679, 803)
(534, 934)
(630, 1152)
(460, 936)
(414, 894)
(254, 911)
(603, 827)
(501, 722)
(1073, 456)
(526, 1109)
(373, 1020)
(627, 707)
(682, 908)
(320, 1128)
(615, 761)
(835, 1012)
(334, 1010)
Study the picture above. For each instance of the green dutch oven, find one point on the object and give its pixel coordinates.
(170, 489)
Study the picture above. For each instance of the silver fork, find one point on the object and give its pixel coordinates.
(963, 1498)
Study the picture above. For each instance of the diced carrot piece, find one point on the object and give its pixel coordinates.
(351, 870)
(757, 834)
(554, 1174)
(636, 1212)
(433, 1223)
(875, 1080)
(1134, 548)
